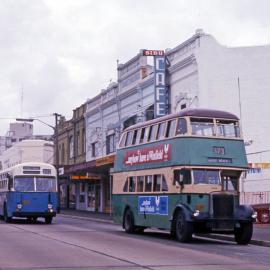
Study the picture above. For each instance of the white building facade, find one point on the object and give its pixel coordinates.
(201, 73)
(28, 151)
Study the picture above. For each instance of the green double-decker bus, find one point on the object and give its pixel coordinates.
(181, 173)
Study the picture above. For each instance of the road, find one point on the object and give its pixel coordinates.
(82, 244)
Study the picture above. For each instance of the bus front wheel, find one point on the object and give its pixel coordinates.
(243, 234)
(183, 229)
(48, 220)
(129, 221)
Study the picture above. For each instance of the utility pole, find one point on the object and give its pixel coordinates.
(57, 157)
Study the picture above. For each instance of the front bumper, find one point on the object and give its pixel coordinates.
(33, 214)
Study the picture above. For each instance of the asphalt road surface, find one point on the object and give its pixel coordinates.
(83, 244)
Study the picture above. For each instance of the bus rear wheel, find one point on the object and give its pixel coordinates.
(129, 221)
(182, 230)
(243, 234)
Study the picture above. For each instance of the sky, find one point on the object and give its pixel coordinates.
(56, 54)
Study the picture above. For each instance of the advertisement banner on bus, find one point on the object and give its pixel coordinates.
(155, 205)
(158, 153)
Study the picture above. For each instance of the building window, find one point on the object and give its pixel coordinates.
(94, 149)
(83, 141)
(71, 147)
(78, 143)
(110, 144)
(63, 153)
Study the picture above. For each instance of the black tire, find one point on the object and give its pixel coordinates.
(243, 234)
(32, 219)
(129, 222)
(139, 229)
(7, 219)
(48, 220)
(182, 230)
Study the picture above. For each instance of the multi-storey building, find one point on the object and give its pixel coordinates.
(200, 73)
(71, 153)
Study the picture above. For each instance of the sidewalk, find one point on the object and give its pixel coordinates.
(261, 232)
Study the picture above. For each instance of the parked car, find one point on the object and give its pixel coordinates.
(263, 212)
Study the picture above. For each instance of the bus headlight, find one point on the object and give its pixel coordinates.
(254, 215)
(196, 213)
(19, 206)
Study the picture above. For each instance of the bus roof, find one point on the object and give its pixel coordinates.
(206, 113)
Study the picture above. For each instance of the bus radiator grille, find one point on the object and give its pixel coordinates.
(223, 206)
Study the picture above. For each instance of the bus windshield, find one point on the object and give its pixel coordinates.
(211, 177)
(27, 184)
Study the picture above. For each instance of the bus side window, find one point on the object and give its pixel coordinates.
(123, 140)
(164, 184)
(161, 131)
(140, 181)
(135, 133)
(125, 189)
(138, 139)
(145, 138)
(157, 182)
(170, 128)
(152, 133)
(148, 183)
(181, 126)
(142, 135)
(132, 183)
(10, 181)
(129, 138)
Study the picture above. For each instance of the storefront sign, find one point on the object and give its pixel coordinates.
(161, 98)
(105, 160)
(148, 155)
(153, 53)
(85, 177)
(155, 205)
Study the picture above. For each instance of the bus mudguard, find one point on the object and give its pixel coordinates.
(244, 213)
(187, 211)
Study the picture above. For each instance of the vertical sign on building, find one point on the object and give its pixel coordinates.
(161, 96)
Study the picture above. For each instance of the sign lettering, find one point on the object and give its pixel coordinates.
(148, 155)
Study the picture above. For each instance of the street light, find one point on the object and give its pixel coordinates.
(55, 129)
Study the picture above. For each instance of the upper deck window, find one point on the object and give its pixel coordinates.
(170, 128)
(129, 138)
(181, 126)
(228, 128)
(135, 134)
(161, 130)
(201, 126)
(152, 133)
(123, 140)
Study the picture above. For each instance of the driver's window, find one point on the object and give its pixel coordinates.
(182, 176)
